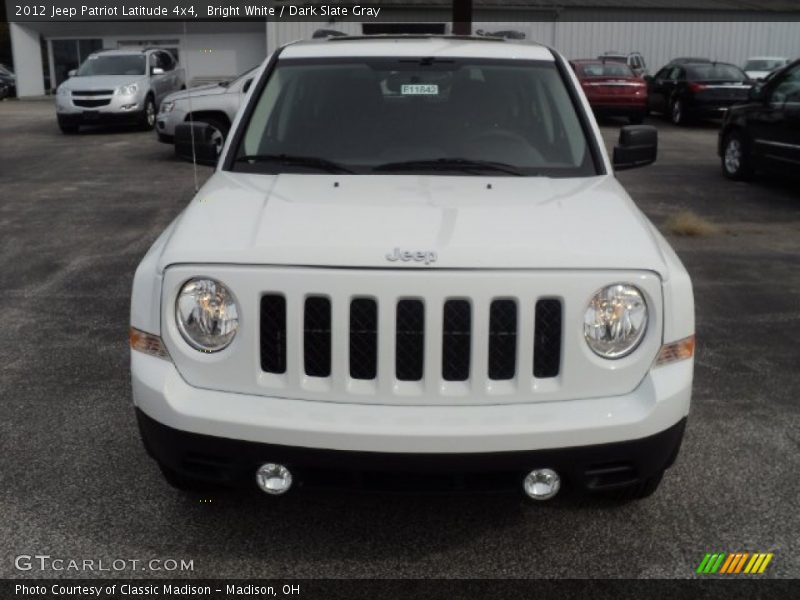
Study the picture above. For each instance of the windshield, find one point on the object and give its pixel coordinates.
(712, 72)
(608, 69)
(414, 115)
(119, 64)
(763, 64)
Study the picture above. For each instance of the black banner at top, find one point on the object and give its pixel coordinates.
(395, 10)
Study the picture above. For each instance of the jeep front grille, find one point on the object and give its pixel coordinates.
(499, 331)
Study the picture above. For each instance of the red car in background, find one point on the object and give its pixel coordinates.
(612, 89)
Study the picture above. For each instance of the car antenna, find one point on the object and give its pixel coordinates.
(191, 116)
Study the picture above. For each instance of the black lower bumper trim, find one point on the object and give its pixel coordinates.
(100, 118)
(234, 462)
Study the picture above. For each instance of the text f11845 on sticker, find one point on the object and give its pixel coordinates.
(418, 89)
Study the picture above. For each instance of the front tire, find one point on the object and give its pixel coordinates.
(148, 117)
(677, 113)
(219, 134)
(735, 161)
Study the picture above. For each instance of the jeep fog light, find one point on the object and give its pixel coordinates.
(615, 320)
(206, 314)
(147, 343)
(273, 479)
(541, 484)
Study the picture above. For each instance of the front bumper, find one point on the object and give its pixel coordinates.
(185, 427)
(120, 109)
(167, 122)
(596, 468)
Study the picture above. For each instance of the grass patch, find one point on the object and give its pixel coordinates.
(687, 223)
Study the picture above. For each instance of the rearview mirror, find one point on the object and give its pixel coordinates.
(637, 147)
(196, 142)
(72, 72)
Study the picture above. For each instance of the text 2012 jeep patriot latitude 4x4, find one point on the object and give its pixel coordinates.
(414, 265)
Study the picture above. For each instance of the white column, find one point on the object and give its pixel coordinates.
(27, 55)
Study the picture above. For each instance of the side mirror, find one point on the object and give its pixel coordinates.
(756, 93)
(637, 147)
(156, 71)
(196, 141)
(72, 72)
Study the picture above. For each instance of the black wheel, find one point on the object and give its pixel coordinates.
(147, 120)
(184, 483)
(735, 161)
(677, 113)
(220, 132)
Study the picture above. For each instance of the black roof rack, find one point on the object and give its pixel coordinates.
(412, 36)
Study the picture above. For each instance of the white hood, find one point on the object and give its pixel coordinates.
(469, 222)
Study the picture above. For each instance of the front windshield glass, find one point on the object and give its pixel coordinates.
(415, 115)
(763, 64)
(113, 64)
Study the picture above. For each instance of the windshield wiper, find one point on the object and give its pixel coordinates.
(450, 164)
(323, 164)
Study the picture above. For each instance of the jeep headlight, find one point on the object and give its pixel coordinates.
(167, 106)
(206, 313)
(127, 90)
(615, 320)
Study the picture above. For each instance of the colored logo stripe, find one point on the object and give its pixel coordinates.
(734, 563)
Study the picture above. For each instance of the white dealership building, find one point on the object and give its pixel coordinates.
(725, 30)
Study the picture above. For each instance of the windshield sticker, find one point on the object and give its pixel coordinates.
(419, 90)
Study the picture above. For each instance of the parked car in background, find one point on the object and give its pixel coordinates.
(4, 91)
(634, 60)
(118, 86)
(703, 90)
(759, 67)
(8, 81)
(765, 132)
(214, 104)
(612, 89)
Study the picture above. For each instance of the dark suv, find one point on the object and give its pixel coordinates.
(765, 132)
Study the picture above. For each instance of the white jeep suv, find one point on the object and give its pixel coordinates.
(414, 266)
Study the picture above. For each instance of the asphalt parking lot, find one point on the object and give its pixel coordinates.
(78, 212)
